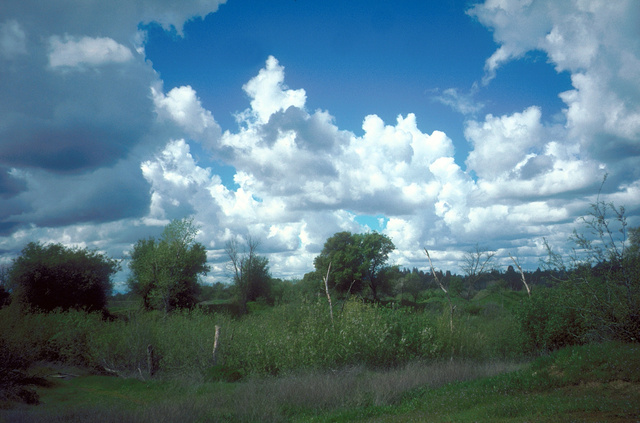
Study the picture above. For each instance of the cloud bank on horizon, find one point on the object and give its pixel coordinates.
(95, 151)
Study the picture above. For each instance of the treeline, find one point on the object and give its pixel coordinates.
(355, 308)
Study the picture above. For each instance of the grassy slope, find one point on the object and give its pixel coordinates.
(599, 382)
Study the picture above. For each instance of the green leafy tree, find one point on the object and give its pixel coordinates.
(250, 272)
(342, 251)
(164, 272)
(357, 261)
(47, 277)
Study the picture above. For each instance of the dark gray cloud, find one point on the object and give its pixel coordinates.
(76, 113)
(536, 166)
(9, 185)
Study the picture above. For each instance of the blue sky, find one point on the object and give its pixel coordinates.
(353, 59)
(441, 124)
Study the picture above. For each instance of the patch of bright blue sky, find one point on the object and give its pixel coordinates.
(376, 223)
(353, 58)
(528, 81)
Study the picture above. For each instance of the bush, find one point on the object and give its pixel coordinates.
(14, 382)
(548, 322)
(54, 276)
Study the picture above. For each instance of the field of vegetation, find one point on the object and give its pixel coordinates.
(288, 363)
(559, 344)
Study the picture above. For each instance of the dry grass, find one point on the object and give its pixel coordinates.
(274, 399)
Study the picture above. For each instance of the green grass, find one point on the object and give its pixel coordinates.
(598, 382)
(292, 363)
(592, 383)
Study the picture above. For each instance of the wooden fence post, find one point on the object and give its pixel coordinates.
(215, 345)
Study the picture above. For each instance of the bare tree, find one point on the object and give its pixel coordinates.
(243, 261)
(475, 265)
(451, 306)
(524, 281)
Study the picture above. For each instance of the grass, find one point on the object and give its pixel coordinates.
(296, 396)
(592, 383)
(290, 363)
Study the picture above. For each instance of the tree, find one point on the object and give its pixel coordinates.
(474, 265)
(5, 296)
(357, 261)
(375, 250)
(46, 277)
(250, 272)
(599, 281)
(410, 284)
(341, 251)
(164, 272)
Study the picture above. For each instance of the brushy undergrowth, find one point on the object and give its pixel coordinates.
(280, 340)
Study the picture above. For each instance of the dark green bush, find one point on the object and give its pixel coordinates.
(48, 277)
(548, 320)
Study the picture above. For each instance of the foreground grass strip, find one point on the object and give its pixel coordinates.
(282, 398)
(594, 383)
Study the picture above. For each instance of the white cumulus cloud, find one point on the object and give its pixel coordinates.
(71, 52)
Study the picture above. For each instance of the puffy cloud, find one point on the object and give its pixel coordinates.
(499, 143)
(597, 42)
(518, 26)
(117, 19)
(182, 106)
(98, 154)
(299, 178)
(269, 94)
(69, 52)
(75, 110)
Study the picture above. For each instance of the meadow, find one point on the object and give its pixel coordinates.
(292, 362)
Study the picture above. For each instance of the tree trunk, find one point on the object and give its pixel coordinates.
(151, 366)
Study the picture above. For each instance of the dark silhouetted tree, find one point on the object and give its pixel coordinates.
(47, 277)
(250, 272)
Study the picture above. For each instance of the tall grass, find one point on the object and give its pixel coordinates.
(303, 336)
(280, 340)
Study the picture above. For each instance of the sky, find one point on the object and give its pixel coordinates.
(444, 125)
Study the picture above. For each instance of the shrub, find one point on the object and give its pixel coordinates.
(548, 322)
(54, 276)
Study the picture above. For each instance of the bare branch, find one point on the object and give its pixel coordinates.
(451, 307)
(521, 274)
(326, 290)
